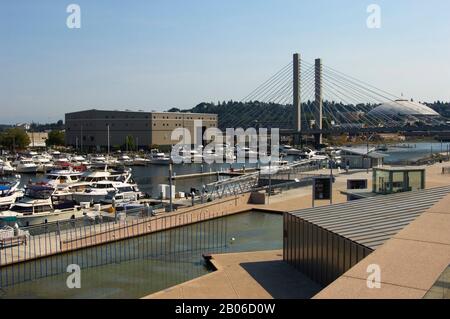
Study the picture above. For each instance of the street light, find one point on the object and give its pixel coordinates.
(108, 139)
(170, 185)
(368, 139)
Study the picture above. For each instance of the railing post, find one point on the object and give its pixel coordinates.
(58, 232)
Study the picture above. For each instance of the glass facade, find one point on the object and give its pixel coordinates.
(381, 181)
(394, 180)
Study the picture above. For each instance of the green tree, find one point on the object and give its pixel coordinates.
(14, 138)
(129, 143)
(55, 138)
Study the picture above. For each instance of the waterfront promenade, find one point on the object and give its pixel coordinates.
(53, 243)
(249, 275)
(263, 274)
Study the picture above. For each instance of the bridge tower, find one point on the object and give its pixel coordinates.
(318, 100)
(297, 100)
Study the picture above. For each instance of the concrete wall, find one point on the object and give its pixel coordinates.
(37, 139)
(164, 123)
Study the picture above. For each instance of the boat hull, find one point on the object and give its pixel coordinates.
(27, 170)
(42, 218)
(91, 198)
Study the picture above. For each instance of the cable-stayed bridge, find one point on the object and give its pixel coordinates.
(313, 98)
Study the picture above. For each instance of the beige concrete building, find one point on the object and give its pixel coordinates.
(37, 139)
(130, 130)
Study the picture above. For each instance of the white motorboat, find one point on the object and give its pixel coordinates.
(159, 158)
(125, 160)
(188, 155)
(98, 192)
(76, 182)
(274, 167)
(124, 194)
(98, 160)
(319, 156)
(44, 164)
(26, 165)
(78, 160)
(60, 160)
(61, 178)
(37, 207)
(9, 193)
(211, 156)
(6, 168)
(289, 150)
(246, 153)
(141, 161)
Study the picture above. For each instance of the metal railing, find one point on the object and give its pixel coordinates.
(97, 242)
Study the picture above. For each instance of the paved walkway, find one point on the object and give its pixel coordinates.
(264, 274)
(248, 275)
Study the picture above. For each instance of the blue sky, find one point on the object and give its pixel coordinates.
(157, 54)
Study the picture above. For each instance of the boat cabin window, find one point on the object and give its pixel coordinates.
(29, 209)
(22, 209)
(103, 186)
(41, 209)
(39, 193)
(126, 189)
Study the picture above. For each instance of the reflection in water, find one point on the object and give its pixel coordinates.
(137, 267)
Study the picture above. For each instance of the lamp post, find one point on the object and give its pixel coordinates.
(270, 179)
(81, 141)
(108, 140)
(170, 185)
(367, 154)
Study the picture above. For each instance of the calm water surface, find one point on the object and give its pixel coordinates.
(142, 276)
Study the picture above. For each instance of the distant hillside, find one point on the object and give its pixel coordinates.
(258, 114)
(38, 127)
(442, 108)
(4, 127)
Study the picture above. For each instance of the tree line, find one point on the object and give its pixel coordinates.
(261, 114)
(16, 138)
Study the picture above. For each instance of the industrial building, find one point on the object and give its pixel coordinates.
(361, 157)
(129, 130)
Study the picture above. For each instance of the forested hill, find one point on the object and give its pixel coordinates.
(259, 114)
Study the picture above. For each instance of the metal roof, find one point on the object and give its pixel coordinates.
(400, 169)
(372, 221)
